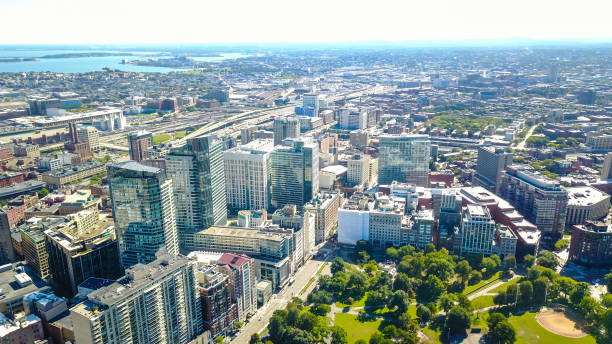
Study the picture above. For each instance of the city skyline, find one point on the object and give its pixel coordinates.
(440, 20)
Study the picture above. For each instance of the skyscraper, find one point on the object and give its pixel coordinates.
(143, 209)
(294, 173)
(198, 176)
(310, 104)
(492, 162)
(139, 141)
(606, 168)
(153, 303)
(285, 127)
(247, 175)
(403, 158)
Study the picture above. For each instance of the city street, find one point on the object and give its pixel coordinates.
(280, 300)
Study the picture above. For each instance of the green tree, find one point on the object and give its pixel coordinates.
(540, 287)
(378, 338)
(423, 313)
(392, 254)
(219, 340)
(337, 265)
(528, 261)
(463, 270)
(458, 319)
(548, 259)
(561, 245)
(490, 266)
(307, 321)
(43, 193)
(447, 302)
(431, 289)
(475, 277)
(375, 300)
(339, 335)
(502, 333)
(255, 339)
(500, 299)
(533, 273)
(320, 309)
(608, 279)
(512, 293)
(400, 300)
(509, 262)
(526, 292)
(276, 327)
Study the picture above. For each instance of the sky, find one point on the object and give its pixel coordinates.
(308, 21)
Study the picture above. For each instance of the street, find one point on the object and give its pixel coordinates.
(280, 300)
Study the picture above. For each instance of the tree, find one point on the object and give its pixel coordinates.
(363, 245)
(219, 340)
(561, 245)
(430, 248)
(458, 319)
(337, 265)
(528, 261)
(489, 265)
(392, 254)
(406, 250)
(540, 287)
(500, 299)
(502, 333)
(276, 327)
(606, 321)
(374, 300)
(548, 259)
(579, 292)
(399, 299)
(447, 302)
(588, 308)
(339, 335)
(307, 321)
(443, 269)
(294, 335)
(378, 338)
(533, 273)
(606, 300)
(255, 339)
(608, 279)
(402, 282)
(320, 309)
(431, 289)
(390, 331)
(423, 313)
(526, 292)
(463, 269)
(512, 293)
(475, 277)
(509, 262)
(43, 193)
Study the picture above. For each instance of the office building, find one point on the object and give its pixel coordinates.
(354, 219)
(597, 141)
(294, 173)
(403, 158)
(75, 256)
(286, 127)
(586, 203)
(154, 303)
(325, 208)
(198, 177)
(353, 119)
(17, 281)
(91, 136)
(143, 209)
(358, 170)
(506, 241)
(301, 224)
(606, 168)
(247, 175)
(10, 216)
(247, 134)
(591, 243)
(138, 142)
(541, 199)
(477, 232)
(34, 248)
(421, 232)
(68, 175)
(310, 104)
(492, 162)
(359, 138)
(25, 329)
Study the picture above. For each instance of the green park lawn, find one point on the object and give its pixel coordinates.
(483, 302)
(528, 331)
(357, 303)
(469, 289)
(355, 328)
(504, 286)
(157, 139)
(179, 134)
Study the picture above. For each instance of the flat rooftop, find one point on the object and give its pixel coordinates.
(12, 290)
(241, 233)
(585, 195)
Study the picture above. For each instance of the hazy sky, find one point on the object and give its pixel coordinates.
(221, 21)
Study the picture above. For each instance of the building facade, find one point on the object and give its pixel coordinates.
(477, 230)
(591, 243)
(143, 209)
(403, 158)
(286, 127)
(138, 142)
(492, 162)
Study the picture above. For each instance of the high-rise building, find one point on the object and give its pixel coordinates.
(247, 134)
(34, 249)
(421, 232)
(477, 230)
(294, 173)
(591, 243)
(325, 207)
(358, 170)
(143, 209)
(285, 127)
(153, 303)
(606, 168)
(9, 217)
(247, 175)
(242, 270)
(91, 136)
(198, 176)
(138, 142)
(310, 104)
(76, 256)
(542, 200)
(403, 158)
(492, 162)
(352, 119)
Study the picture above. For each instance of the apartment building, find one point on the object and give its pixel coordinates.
(477, 232)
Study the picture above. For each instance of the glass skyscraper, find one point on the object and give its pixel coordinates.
(403, 158)
(143, 209)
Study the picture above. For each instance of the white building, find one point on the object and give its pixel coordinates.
(353, 118)
(477, 230)
(91, 136)
(585, 203)
(358, 170)
(49, 163)
(247, 175)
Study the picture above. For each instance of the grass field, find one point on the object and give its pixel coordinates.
(179, 134)
(357, 303)
(504, 286)
(528, 331)
(355, 328)
(483, 302)
(157, 139)
(472, 288)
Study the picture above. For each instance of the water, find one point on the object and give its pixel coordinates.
(87, 64)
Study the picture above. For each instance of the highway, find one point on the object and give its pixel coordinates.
(259, 321)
